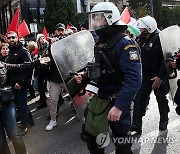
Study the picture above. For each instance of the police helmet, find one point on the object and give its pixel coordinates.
(148, 23)
(104, 14)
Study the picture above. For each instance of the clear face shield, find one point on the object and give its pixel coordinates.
(97, 21)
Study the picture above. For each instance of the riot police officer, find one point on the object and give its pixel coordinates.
(115, 76)
(154, 74)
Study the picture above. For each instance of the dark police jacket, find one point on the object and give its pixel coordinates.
(124, 56)
(18, 55)
(152, 57)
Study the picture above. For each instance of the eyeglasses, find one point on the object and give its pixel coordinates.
(13, 37)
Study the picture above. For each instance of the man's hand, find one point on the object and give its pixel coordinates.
(157, 82)
(55, 39)
(17, 86)
(114, 114)
(44, 60)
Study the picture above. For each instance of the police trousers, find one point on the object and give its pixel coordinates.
(140, 102)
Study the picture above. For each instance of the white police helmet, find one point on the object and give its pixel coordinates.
(148, 23)
(104, 14)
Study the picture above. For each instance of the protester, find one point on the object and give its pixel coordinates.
(4, 50)
(7, 108)
(19, 81)
(43, 70)
(56, 84)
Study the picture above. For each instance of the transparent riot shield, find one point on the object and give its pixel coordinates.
(71, 55)
(170, 42)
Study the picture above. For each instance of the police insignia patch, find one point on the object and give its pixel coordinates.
(133, 55)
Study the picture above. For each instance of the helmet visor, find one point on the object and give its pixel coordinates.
(97, 21)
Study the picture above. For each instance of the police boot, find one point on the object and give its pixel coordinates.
(178, 109)
(123, 148)
(137, 119)
(163, 117)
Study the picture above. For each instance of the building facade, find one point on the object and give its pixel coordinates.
(171, 3)
(33, 10)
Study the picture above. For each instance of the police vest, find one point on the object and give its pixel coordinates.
(111, 73)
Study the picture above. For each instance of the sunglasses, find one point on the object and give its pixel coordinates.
(13, 37)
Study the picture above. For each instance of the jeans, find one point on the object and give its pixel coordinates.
(8, 125)
(35, 83)
(21, 104)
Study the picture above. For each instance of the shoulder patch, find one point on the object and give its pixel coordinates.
(130, 46)
(133, 55)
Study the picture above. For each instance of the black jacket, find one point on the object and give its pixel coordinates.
(18, 55)
(54, 75)
(14, 68)
(152, 58)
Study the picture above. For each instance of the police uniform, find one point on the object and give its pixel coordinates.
(152, 66)
(124, 81)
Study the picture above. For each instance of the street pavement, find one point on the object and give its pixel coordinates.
(65, 137)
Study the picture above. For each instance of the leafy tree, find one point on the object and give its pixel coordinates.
(57, 11)
(139, 7)
(142, 8)
(170, 16)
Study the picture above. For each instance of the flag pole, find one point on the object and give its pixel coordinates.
(151, 8)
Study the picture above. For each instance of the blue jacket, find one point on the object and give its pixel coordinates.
(128, 55)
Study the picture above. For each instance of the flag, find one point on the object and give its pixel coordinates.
(133, 30)
(23, 29)
(44, 32)
(13, 26)
(125, 16)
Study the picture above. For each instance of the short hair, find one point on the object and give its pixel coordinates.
(12, 32)
(2, 38)
(32, 44)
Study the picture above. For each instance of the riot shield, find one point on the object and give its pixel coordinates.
(71, 55)
(170, 42)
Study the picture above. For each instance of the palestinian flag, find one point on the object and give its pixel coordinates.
(128, 18)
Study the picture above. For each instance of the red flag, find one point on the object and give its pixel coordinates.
(23, 29)
(13, 26)
(125, 16)
(44, 32)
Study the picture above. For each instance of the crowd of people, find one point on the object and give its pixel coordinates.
(138, 69)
